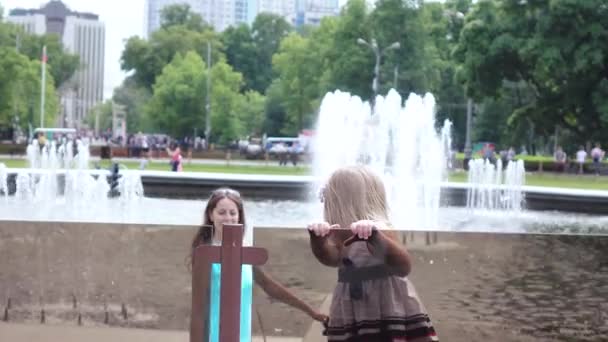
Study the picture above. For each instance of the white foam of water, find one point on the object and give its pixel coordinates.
(41, 182)
(495, 188)
(397, 141)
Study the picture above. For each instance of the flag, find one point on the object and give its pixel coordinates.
(44, 56)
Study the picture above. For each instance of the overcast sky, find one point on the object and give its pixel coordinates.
(123, 19)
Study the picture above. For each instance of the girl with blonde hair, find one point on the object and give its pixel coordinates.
(373, 300)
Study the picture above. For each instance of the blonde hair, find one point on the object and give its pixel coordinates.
(352, 194)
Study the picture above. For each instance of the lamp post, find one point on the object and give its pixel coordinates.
(42, 85)
(457, 16)
(467, 142)
(378, 52)
(208, 98)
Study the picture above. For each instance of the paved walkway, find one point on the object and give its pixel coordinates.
(12, 332)
(315, 333)
(16, 332)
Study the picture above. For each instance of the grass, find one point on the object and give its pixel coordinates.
(537, 179)
(551, 179)
(271, 169)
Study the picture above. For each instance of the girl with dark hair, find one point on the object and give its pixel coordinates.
(226, 207)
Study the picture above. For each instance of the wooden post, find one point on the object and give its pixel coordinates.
(232, 256)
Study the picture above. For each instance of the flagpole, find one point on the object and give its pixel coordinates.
(42, 85)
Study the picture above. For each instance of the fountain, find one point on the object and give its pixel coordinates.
(495, 188)
(61, 172)
(399, 143)
(83, 257)
(3, 180)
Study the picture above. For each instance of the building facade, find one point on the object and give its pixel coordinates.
(154, 8)
(82, 34)
(311, 12)
(218, 13)
(284, 8)
(224, 13)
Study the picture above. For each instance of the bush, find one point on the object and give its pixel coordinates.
(533, 164)
(12, 149)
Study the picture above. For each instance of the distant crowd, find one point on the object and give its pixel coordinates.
(563, 162)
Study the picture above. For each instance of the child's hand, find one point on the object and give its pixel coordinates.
(363, 229)
(321, 229)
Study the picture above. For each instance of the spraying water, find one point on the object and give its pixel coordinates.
(493, 187)
(398, 142)
(64, 170)
(3, 180)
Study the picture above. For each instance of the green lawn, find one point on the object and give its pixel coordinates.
(537, 179)
(553, 180)
(271, 169)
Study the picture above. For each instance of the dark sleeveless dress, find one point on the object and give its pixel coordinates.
(371, 304)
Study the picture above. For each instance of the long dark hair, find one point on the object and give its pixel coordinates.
(206, 231)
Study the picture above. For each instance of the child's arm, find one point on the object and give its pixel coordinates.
(395, 253)
(382, 241)
(325, 250)
(280, 292)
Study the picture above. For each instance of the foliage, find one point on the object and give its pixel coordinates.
(298, 82)
(61, 64)
(240, 50)
(179, 34)
(178, 103)
(134, 99)
(556, 49)
(102, 112)
(531, 67)
(181, 15)
(267, 32)
(251, 113)
(20, 90)
(20, 66)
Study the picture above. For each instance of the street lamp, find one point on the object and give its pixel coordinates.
(208, 98)
(467, 142)
(378, 52)
(468, 151)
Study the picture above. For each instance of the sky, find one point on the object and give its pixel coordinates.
(123, 19)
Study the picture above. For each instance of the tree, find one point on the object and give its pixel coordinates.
(20, 76)
(102, 112)
(241, 53)
(147, 58)
(20, 90)
(61, 64)
(251, 113)
(267, 32)
(416, 70)
(321, 46)
(178, 102)
(225, 99)
(298, 80)
(556, 49)
(181, 15)
(352, 65)
(134, 98)
(275, 112)
(442, 23)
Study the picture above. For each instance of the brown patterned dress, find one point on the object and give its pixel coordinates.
(371, 304)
